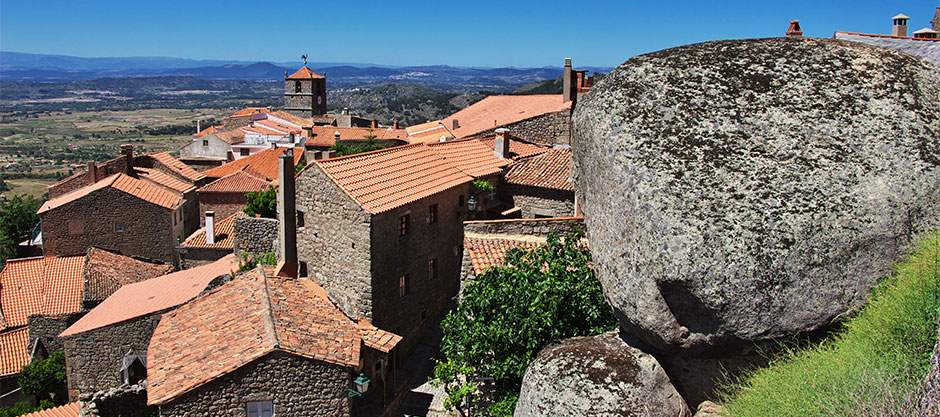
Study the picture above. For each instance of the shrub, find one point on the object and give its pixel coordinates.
(263, 203)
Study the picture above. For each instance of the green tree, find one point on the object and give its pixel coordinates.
(263, 203)
(17, 219)
(510, 312)
(43, 377)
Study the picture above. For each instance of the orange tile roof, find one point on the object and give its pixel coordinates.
(271, 127)
(49, 285)
(496, 111)
(428, 132)
(231, 136)
(152, 295)
(163, 179)
(486, 253)
(248, 111)
(375, 337)
(14, 351)
(76, 194)
(292, 118)
(246, 319)
(305, 73)
(68, 410)
(133, 186)
(224, 237)
(263, 163)
(105, 272)
(177, 166)
(206, 131)
(385, 179)
(551, 169)
(324, 136)
(517, 148)
(470, 156)
(241, 181)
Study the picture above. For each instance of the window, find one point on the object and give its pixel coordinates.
(403, 286)
(302, 269)
(297, 87)
(424, 315)
(133, 369)
(118, 227)
(205, 142)
(432, 214)
(403, 225)
(300, 218)
(432, 269)
(243, 151)
(260, 408)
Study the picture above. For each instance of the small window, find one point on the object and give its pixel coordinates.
(300, 218)
(297, 87)
(76, 227)
(205, 142)
(243, 151)
(432, 269)
(118, 227)
(260, 408)
(432, 214)
(460, 201)
(403, 225)
(424, 315)
(133, 369)
(302, 269)
(403, 286)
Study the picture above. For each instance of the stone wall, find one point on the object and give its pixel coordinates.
(552, 128)
(533, 227)
(925, 49)
(223, 204)
(333, 241)
(48, 328)
(254, 235)
(297, 386)
(539, 202)
(93, 359)
(147, 228)
(193, 257)
(394, 256)
(304, 103)
(82, 179)
(126, 401)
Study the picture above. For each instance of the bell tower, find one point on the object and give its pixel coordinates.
(305, 92)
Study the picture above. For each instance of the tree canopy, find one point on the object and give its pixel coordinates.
(17, 218)
(263, 203)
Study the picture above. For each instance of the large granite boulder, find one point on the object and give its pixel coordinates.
(741, 191)
(597, 376)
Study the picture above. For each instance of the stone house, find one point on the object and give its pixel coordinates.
(207, 150)
(266, 131)
(541, 185)
(226, 196)
(482, 163)
(105, 272)
(544, 118)
(210, 243)
(924, 43)
(107, 347)
(266, 345)
(381, 233)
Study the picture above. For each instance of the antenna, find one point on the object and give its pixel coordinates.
(304, 56)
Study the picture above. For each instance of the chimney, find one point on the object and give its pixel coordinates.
(287, 215)
(375, 124)
(327, 154)
(794, 30)
(128, 152)
(210, 227)
(345, 111)
(336, 136)
(501, 145)
(198, 126)
(92, 172)
(395, 124)
(900, 25)
(567, 93)
(454, 125)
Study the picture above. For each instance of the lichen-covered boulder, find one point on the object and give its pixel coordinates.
(742, 191)
(597, 376)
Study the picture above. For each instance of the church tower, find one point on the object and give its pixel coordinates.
(305, 92)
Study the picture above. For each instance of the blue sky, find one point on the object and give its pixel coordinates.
(468, 33)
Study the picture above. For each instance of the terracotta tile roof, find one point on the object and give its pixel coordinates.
(133, 186)
(14, 351)
(161, 178)
(548, 170)
(105, 272)
(375, 337)
(231, 136)
(263, 163)
(292, 118)
(385, 179)
(242, 181)
(177, 166)
(49, 285)
(496, 111)
(68, 410)
(271, 127)
(305, 73)
(210, 129)
(76, 194)
(470, 156)
(485, 253)
(248, 111)
(428, 132)
(152, 295)
(224, 238)
(517, 148)
(244, 320)
(325, 136)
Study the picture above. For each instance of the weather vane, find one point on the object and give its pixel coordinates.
(304, 56)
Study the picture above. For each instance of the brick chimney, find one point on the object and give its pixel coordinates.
(900, 25)
(92, 172)
(128, 152)
(375, 124)
(794, 30)
(210, 227)
(567, 91)
(454, 125)
(395, 124)
(501, 145)
(287, 216)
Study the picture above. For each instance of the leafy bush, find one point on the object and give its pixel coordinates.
(247, 263)
(17, 219)
(482, 186)
(263, 203)
(24, 407)
(871, 367)
(345, 150)
(509, 313)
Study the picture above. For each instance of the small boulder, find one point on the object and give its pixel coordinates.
(597, 376)
(743, 191)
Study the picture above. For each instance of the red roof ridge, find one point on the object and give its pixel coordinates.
(305, 73)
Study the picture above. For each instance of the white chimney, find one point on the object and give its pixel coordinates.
(501, 145)
(210, 227)
(198, 126)
(900, 25)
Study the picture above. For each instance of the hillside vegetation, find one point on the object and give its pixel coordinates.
(408, 104)
(869, 369)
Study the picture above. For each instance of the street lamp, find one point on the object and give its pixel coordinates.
(362, 385)
(472, 204)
